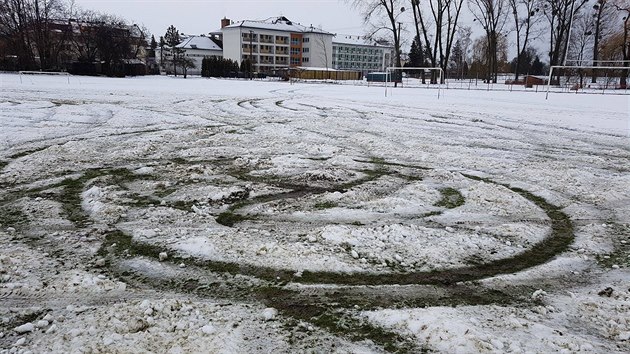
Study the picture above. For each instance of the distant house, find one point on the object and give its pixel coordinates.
(531, 81)
(195, 47)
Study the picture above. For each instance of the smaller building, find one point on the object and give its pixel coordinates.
(360, 54)
(531, 81)
(195, 47)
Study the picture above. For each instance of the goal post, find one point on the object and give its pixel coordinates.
(46, 73)
(405, 76)
(606, 81)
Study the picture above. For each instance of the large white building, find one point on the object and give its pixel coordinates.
(276, 44)
(360, 54)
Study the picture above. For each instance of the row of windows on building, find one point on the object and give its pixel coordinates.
(265, 59)
(266, 38)
(271, 49)
(365, 58)
(357, 50)
(346, 65)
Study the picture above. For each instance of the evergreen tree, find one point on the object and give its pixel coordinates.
(246, 67)
(172, 39)
(153, 46)
(162, 44)
(458, 59)
(538, 67)
(416, 55)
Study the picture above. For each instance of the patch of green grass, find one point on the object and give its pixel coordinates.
(325, 205)
(70, 199)
(120, 176)
(12, 216)
(70, 196)
(621, 254)
(30, 316)
(289, 303)
(179, 161)
(143, 200)
(360, 330)
(162, 192)
(318, 158)
(66, 102)
(229, 218)
(118, 242)
(451, 198)
(411, 178)
(27, 152)
(184, 205)
(378, 161)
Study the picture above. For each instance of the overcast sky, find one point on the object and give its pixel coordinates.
(203, 16)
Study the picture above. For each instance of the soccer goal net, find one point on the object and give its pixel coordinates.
(29, 76)
(414, 77)
(608, 77)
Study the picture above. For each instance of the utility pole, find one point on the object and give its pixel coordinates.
(568, 41)
(398, 63)
(251, 59)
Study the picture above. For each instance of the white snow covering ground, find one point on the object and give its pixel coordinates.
(311, 178)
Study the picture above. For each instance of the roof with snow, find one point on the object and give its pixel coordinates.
(199, 42)
(281, 23)
(357, 40)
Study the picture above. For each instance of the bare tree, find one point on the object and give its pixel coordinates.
(14, 29)
(84, 36)
(623, 8)
(185, 63)
(526, 15)
(383, 15)
(560, 15)
(33, 31)
(603, 19)
(439, 39)
(48, 34)
(492, 15)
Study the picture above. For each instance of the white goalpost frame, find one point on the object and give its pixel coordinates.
(391, 68)
(580, 67)
(51, 73)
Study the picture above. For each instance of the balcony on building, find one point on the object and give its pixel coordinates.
(246, 48)
(253, 37)
(282, 50)
(253, 59)
(266, 49)
(266, 38)
(265, 59)
(282, 40)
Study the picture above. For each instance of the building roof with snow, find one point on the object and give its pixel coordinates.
(358, 41)
(200, 42)
(281, 24)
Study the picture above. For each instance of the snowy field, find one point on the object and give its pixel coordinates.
(164, 215)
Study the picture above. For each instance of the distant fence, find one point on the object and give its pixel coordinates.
(302, 74)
